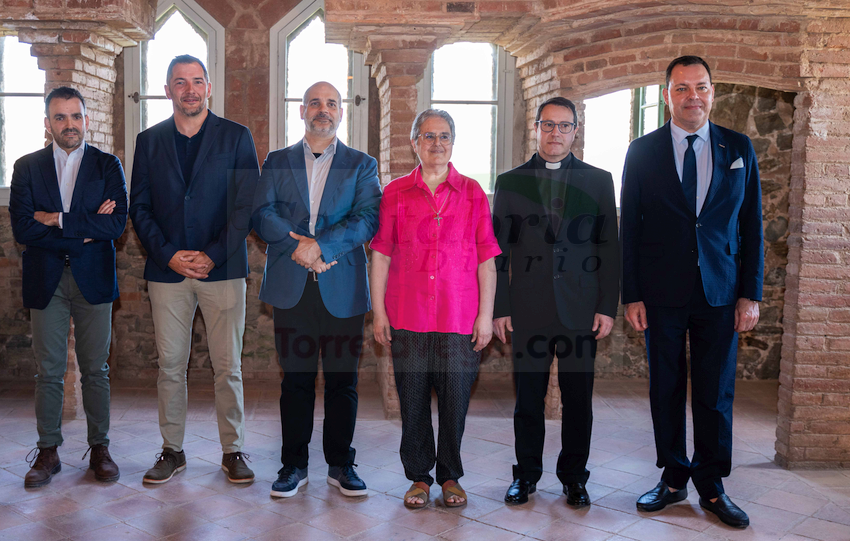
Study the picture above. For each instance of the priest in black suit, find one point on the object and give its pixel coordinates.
(557, 293)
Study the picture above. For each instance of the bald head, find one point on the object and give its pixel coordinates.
(321, 111)
(320, 87)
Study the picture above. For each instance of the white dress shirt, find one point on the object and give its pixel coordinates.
(67, 169)
(317, 176)
(702, 150)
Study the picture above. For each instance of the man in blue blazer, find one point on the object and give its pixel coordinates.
(193, 183)
(68, 204)
(316, 205)
(693, 257)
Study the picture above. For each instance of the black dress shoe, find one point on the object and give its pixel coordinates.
(519, 490)
(576, 494)
(726, 511)
(659, 497)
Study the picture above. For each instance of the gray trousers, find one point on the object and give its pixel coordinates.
(446, 362)
(92, 332)
(173, 308)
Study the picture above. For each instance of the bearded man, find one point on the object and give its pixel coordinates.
(194, 176)
(316, 205)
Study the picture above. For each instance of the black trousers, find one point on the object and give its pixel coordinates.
(533, 351)
(301, 333)
(446, 362)
(714, 347)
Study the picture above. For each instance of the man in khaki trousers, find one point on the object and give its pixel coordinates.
(194, 176)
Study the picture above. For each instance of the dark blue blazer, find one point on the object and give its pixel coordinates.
(210, 213)
(348, 218)
(662, 238)
(36, 188)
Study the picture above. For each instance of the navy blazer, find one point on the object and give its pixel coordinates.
(348, 218)
(662, 239)
(563, 266)
(210, 213)
(36, 188)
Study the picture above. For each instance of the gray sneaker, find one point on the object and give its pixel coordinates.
(234, 465)
(168, 463)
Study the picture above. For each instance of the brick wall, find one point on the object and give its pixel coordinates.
(563, 47)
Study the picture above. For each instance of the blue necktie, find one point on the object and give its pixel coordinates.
(689, 174)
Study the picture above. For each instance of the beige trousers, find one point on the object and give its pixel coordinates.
(173, 307)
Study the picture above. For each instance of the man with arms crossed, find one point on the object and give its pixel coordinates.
(693, 258)
(556, 223)
(68, 204)
(194, 176)
(316, 204)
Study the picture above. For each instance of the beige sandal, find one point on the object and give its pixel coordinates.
(454, 490)
(416, 492)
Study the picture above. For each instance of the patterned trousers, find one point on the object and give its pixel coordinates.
(446, 362)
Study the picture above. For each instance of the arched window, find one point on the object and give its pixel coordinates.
(474, 82)
(182, 27)
(303, 58)
(21, 108)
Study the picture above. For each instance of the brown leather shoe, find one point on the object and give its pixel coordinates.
(43, 465)
(100, 461)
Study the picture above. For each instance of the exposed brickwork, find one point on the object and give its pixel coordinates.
(579, 49)
(85, 61)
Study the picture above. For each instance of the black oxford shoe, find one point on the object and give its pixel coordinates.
(519, 490)
(576, 494)
(726, 511)
(659, 497)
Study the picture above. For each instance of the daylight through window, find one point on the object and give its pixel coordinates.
(21, 105)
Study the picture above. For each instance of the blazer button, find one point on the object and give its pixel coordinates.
(187, 198)
(699, 225)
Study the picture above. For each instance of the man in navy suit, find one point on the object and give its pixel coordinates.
(316, 205)
(193, 183)
(693, 257)
(68, 204)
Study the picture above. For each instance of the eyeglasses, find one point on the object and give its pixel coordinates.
(563, 127)
(432, 138)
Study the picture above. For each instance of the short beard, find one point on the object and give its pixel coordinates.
(192, 112)
(61, 141)
(322, 132)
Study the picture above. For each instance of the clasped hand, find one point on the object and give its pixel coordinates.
(308, 254)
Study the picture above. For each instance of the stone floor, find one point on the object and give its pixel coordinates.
(200, 504)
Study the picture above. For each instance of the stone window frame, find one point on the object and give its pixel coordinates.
(133, 71)
(277, 83)
(505, 93)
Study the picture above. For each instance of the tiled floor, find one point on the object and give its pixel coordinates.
(200, 504)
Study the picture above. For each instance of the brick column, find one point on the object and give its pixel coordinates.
(813, 428)
(85, 61)
(72, 406)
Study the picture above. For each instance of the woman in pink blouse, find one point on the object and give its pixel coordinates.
(433, 282)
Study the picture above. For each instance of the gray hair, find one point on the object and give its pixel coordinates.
(430, 113)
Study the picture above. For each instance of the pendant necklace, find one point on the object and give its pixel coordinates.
(442, 208)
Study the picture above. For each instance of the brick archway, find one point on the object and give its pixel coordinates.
(584, 49)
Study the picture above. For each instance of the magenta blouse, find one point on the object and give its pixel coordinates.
(436, 242)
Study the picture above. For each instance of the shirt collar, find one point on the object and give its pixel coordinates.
(200, 131)
(59, 153)
(453, 179)
(679, 134)
(563, 164)
(308, 150)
